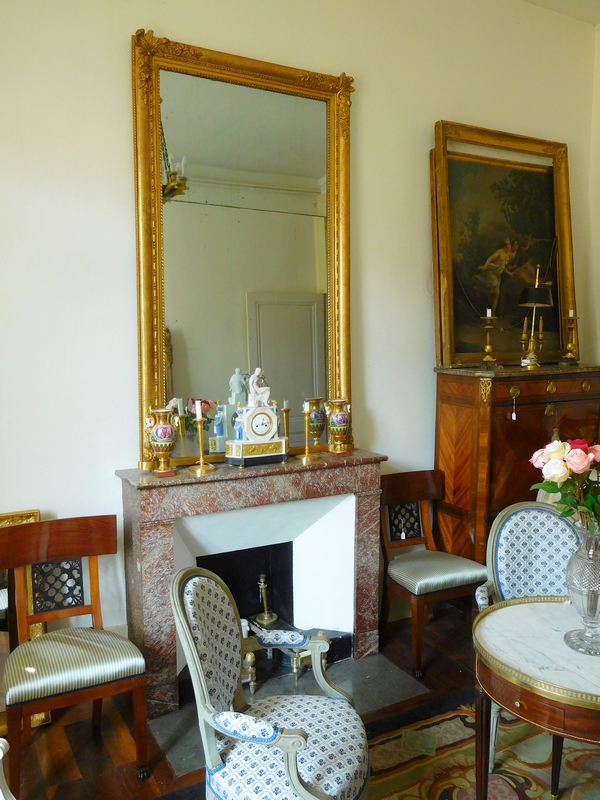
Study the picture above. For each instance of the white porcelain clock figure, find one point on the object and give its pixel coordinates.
(257, 440)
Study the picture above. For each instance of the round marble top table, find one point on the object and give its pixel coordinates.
(524, 665)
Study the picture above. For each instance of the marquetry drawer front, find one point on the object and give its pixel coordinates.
(572, 386)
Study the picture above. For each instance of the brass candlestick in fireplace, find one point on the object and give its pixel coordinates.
(267, 615)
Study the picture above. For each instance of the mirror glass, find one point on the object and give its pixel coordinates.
(245, 246)
(250, 265)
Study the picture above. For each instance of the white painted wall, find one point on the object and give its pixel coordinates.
(67, 242)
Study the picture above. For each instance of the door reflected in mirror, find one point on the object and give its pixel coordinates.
(252, 223)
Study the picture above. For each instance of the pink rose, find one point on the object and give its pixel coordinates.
(594, 449)
(578, 444)
(538, 459)
(578, 461)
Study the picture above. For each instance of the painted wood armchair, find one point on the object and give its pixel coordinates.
(279, 747)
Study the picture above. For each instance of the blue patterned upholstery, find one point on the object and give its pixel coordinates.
(335, 760)
(284, 748)
(528, 549)
(281, 638)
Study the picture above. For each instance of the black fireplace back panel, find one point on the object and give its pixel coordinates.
(240, 570)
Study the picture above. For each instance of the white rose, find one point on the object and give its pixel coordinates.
(556, 470)
(557, 450)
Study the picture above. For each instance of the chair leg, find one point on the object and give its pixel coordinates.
(557, 749)
(494, 722)
(139, 726)
(420, 613)
(26, 736)
(386, 603)
(14, 719)
(97, 713)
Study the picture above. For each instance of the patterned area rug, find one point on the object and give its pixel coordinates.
(435, 760)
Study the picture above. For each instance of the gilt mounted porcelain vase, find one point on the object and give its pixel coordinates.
(583, 583)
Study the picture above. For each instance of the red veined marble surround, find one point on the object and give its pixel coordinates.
(152, 504)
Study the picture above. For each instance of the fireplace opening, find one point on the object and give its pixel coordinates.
(240, 571)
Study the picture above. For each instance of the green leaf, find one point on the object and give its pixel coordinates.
(568, 512)
(551, 487)
(589, 502)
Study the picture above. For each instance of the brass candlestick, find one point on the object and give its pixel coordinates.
(532, 344)
(202, 467)
(534, 297)
(488, 359)
(569, 355)
(181, 424)
(267, 616)
(286, 421)
(308, 457)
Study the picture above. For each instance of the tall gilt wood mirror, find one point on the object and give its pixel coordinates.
(242, 204)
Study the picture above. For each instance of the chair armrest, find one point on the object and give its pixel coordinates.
(246, 727)
(290, 740)
(482, 595)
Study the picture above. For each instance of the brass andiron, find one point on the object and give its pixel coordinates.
(308, 457)
(202, 467)
(267, 616)
(569, 355)
(488, 359)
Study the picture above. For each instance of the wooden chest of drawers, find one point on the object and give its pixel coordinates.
(484, 453)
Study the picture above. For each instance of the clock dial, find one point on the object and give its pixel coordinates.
(261, 424)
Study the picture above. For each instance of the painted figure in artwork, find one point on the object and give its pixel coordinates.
(492, 271)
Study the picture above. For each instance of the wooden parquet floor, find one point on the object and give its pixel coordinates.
(67, 760)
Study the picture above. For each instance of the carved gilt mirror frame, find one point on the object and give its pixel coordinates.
(150, 55)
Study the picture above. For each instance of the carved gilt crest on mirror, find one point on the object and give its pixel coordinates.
(242, 194)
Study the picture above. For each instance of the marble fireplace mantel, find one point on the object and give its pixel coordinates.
(151, 506)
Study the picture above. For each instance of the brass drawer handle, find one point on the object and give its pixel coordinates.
(551, 388)
(585, 386)
(549, 412)
(514, 391)
(517, 704)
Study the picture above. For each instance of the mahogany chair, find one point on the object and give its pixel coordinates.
(70, 665)
(423, 575)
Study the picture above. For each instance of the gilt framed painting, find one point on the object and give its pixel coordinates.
(500, 226)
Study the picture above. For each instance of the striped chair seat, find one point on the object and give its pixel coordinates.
(67, 660)
(425, 571)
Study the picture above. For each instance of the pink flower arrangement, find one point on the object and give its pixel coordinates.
(209, 412)
(567, 468)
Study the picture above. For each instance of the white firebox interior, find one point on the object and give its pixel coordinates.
(323, 534)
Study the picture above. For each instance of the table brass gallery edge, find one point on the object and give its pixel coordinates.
(523, 664)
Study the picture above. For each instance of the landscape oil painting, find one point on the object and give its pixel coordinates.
(502, 231)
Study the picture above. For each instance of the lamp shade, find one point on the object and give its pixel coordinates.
(540, 296)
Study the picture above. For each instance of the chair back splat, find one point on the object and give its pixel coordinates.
(424, 575)
(69, 665)
(280, 748)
